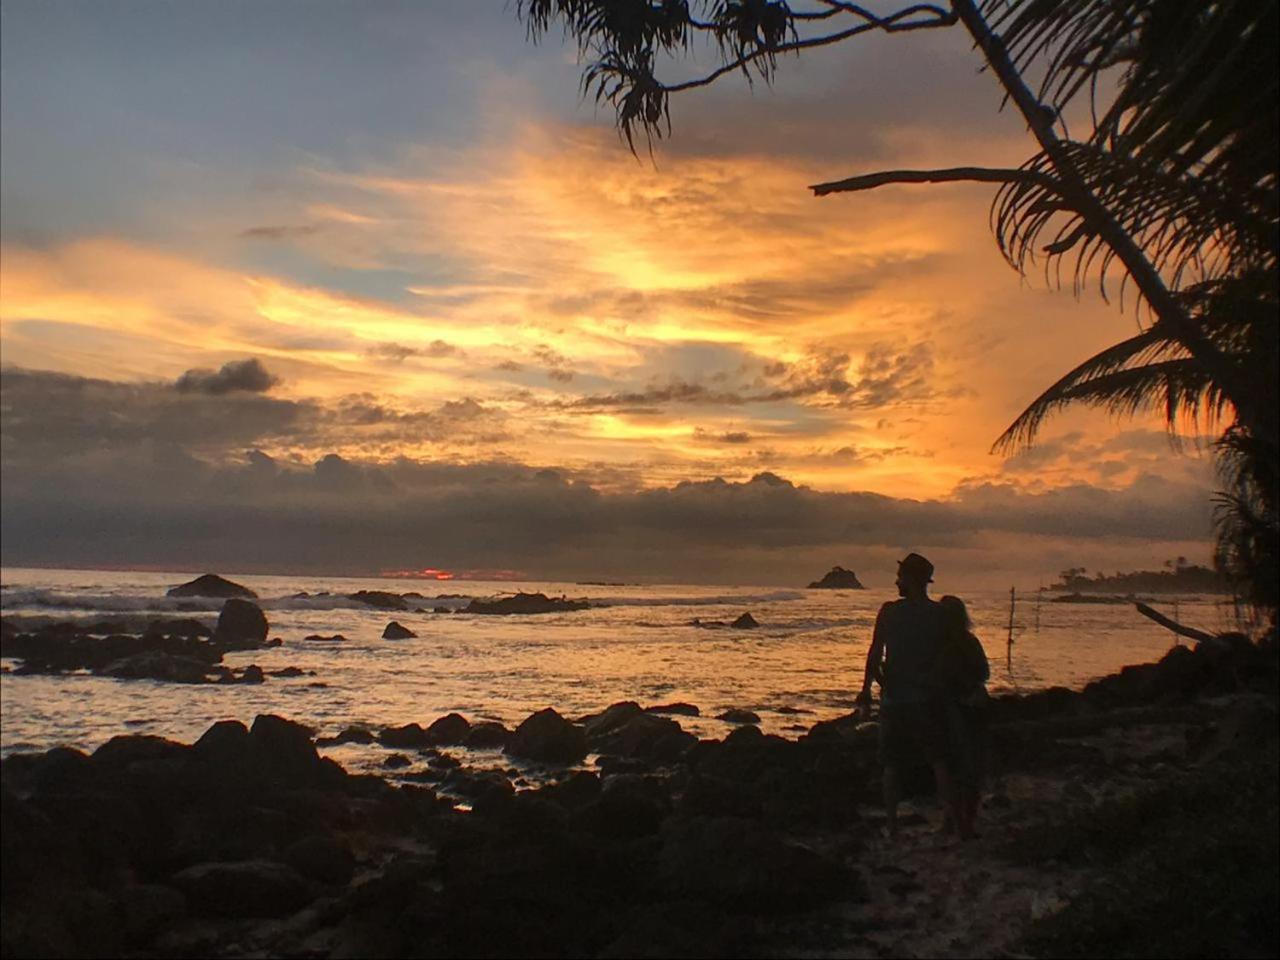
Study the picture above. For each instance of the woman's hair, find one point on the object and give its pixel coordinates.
(957, 614)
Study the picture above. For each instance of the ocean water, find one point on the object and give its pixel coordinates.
(640, 642)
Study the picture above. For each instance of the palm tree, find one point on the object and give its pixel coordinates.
(1174, 187)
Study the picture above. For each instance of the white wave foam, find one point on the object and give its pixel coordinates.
(714, 600)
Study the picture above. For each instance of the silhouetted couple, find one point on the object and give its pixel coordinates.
(932, 673)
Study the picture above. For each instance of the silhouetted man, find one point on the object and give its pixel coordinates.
(909, 635)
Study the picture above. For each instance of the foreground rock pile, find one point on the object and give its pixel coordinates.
(248, 842)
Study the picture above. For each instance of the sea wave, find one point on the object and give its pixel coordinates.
(711, 600)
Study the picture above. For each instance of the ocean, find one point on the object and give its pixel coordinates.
(635, 642)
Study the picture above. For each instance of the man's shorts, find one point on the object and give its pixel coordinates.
(912, 733)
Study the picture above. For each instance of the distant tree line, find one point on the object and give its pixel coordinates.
(1178, 576)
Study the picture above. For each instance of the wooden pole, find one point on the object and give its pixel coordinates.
(1008, 654)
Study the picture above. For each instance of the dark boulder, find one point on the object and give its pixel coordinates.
(410, 735)
(678, 709)
(548, 737)
(449, 730)
(119, 752)
(284, 748)
(226, 743)
(319, 638)
(739, 716)
(838, 578)
(396, 631)
(610, 719)
(487, 735)
(745, 622)
(322, 858)
(249, 888)
(241, 625)
(349, 735)
(380, 599)
(630, 806)
(645, 735)
(397, 761)
(211, 585)
(524, 603)
(156, 665)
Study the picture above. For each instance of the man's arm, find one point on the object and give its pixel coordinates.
(875, 656)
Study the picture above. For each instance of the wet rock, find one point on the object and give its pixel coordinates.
(745, 622)
(319, 638)
(380, 599)
(646, 735)
(250, 674)
(396, 631)
(678, 709)
(548, 737)
(410, 735)
(837, 578)
(156, 665)
(576, 792)
(477, 785)
(449, 730)
(211, 585)
(287, 672)
(181, 627)
(610, 719)
(284, 747)
(739, 716)
(397, 761)
(349, 735)
(249, 888)
(487, 735)
(629, 806)
(322, 858)
(226, 742)
(522, 603)
(241, 625)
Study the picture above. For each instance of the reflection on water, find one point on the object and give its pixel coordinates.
(807, 654)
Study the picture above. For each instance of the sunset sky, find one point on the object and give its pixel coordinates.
(351, 287)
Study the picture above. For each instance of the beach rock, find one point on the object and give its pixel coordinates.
(181, 627)
(610, 719)
(739, 716)
(226, 743)
(380, 599)
(745, 622)
(487, 735)
(522, 603)
(211, 585)
(322, 858)
(397, 761)
(645, 735)
(351, 734)
(410, 735)
(121, 751)
(678, 709)
(284, 748)
(395, 631)
(548, 737)
(576, 792)
(320, 638)
(249, 888)
(449, 730)
(241, 625)
(287, 672)
(838, 578)
(155, 665)
(630, 806)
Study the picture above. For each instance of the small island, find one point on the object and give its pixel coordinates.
(838, 578)
(1179, 576)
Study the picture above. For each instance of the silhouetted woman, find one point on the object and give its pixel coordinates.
(964, 674)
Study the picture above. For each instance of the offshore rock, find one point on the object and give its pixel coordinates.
(211, 585)
(397, 631)
(380, 599)
(838, 578)
(157, 665)
(449, 730)
(548, 737)
(241, 625)
(745, 622)
(525, 603)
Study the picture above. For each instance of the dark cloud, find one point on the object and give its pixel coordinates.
(249, 376)
(730, 436)
(399, 352)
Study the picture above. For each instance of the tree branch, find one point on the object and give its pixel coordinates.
(1191, 633)
(949, 175)
(896, 22)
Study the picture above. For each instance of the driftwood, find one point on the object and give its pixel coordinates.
(1199, 636)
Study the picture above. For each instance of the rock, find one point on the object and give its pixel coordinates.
(287, 672)
(449, 730)
(395, 631)
(119, 752)
(630, 806)
(251, 674)
(249, 888)
(745, 622)
(610, 719)
(410, 735)
(646, 735)
(679, 709)
(739, 716)
(155, 665)
(838, 578)
(322, 858)
(380, 599)
(487, 735)
(211, 585)
(284, 748)
(397, 761)
(352, 735)
(524, 603)
(241, 624)
(442, 609)
(318, 638)
(182, 627)
(548, 737)
(576, 792)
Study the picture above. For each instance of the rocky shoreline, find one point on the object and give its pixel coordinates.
(638, 840)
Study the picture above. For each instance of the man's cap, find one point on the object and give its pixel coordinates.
(915, 567)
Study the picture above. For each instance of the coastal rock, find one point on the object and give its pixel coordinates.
(645, 735)
(319, 638)
(250, 888)
(211, 585)
(837, 578)
(380, 599)
(155, 665)
(410, 735)
(630, 806)
(739, 716)
(548, 737)
(284, 748)
(522, 603)
(745, 622)
(396, 631)
(678, 709)
(241, 625)
(451, 729)
(322, 858)
(351, 734)
(487, 735)
(610, 719)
